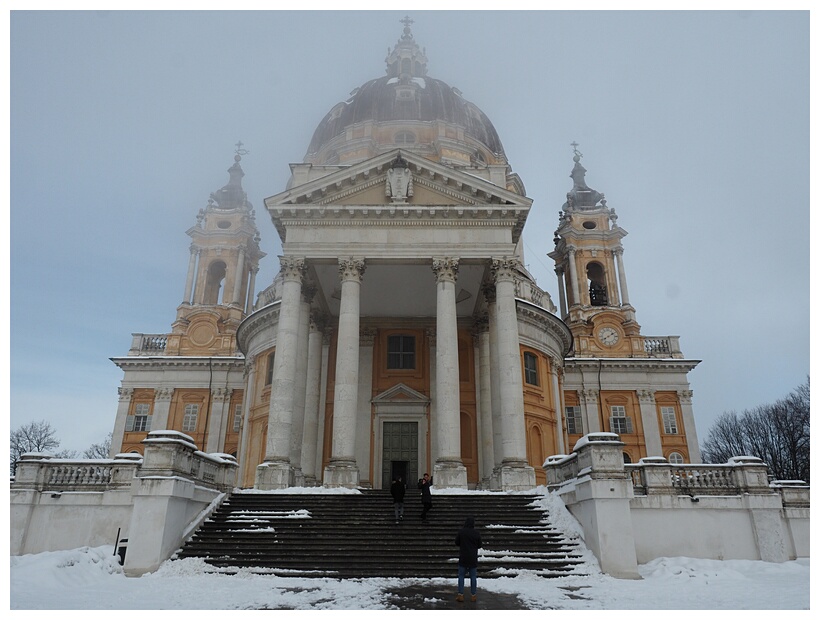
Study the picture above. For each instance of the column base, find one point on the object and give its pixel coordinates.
(449, 475)
(341, 473)
(273, 475)
(517, 477)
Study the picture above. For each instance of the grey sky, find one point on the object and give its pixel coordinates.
(694, 124)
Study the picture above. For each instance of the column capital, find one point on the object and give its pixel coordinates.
(163, 394)
(309, 291)
(646, 396)
(488, 289)
(685, 396)
(221, 394)
(481, 323)
(446, 269)
(351, 269)
(124, 393)
(589, 395)
(292, 268)
(504, 268)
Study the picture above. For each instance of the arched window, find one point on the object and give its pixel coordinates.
(597, 284)
(404, 138)
(627, 458)
(675, 458)
(216, 274)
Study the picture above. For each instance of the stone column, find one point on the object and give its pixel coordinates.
(310, 436)
(238, 277)
(189, 280)
(251, 286)
(562, 296)
(559, 409)
(342, 470)
(275, 471)
(649, 421)
(162, 408)
(367, 338)
(619, 258)
(495, 384)
(124, 396)
(685, 399)
(300, 386)
(516, 473)
(327, 333)
(449, 470)
(487, 462)
(573, 276)
(430, 335)
(220, 400)
(245, 430)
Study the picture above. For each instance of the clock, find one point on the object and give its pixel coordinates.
(608, 336)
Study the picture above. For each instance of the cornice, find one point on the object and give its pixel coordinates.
(646, 363)
(178, 361)
(547, 321)
(256, 322)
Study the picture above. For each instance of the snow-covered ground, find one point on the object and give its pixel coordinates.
(91, 578)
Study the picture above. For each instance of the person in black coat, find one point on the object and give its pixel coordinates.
(397, 490)
(426, 498)
(469, 542)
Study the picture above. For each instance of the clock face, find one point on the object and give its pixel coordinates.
(608, 335)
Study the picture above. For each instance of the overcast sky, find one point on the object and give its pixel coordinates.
(694, 124)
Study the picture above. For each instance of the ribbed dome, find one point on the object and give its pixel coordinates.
(410, 110)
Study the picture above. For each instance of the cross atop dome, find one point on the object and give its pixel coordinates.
(407, 60)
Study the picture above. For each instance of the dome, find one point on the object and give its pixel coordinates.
(407, 109)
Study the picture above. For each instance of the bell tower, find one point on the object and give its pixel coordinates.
(592, 287)
(221, 275)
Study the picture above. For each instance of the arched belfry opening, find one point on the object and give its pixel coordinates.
(597, 284)
(213, 283)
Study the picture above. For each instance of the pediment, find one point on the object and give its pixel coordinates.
(366, 184)
(400, 394)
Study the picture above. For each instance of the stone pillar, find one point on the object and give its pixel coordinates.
(516, 473)
(619, 258)
(189, 280)
(430, 334)
(238, 277)
(573, 276)
(495, 384)
(251, 286)
(449, 470)
(124, 396)
(649, 420)
(300, 386)
(558, 403)
(162, 408)
(562, 295)
(217, 420)
(367, 337)
(310, 436)
(342, 470)
(275, 470)
(589, 411)
(486, 462)
(245, 430)
(320, 438)
(685, 399)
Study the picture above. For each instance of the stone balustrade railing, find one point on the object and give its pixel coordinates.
(148, 344)
(662, 346)
(44, 472)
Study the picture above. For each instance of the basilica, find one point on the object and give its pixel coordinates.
(402, 333)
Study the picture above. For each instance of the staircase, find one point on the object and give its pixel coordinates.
(356, 536)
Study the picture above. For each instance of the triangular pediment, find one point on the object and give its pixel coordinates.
(366, 184)
(400, 393)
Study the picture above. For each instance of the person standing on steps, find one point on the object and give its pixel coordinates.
(397, 490)
(468, 541)
(426, 498)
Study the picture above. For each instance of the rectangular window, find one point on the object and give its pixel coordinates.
(269, 369)
(574, 424)
(189, 419)
(237, 418)
(530, 369)
(140, 421)
(670, 423)
(401, 352)
(618, 422)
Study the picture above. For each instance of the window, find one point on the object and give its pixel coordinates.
(574, 425)
(670, 424)
(269, 369)
(627, 458)
(237, 418)
(140, 421)
(189, 419)
(618, 422)
(530, 369)
(401, 352)
(405, 137)
(675, 458)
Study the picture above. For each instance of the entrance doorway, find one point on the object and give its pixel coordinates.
(400, 452)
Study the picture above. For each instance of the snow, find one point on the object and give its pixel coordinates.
(92, 578)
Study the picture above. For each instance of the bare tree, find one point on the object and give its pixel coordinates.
(32, 437)
(99, 450)
(778, 434)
